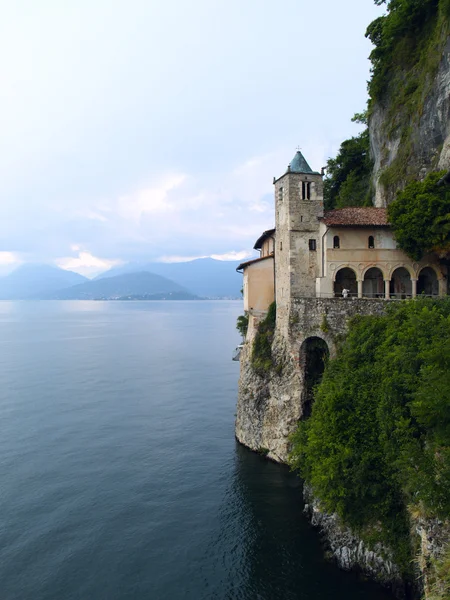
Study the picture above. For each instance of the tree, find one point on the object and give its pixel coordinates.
(420, 218)
(378, 439)
(242, 325)
(348, 175)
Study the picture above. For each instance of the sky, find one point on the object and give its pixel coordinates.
(141, 130)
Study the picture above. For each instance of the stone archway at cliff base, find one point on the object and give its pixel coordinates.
(314, 353)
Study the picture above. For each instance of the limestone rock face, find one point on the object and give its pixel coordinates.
(350, 552)
(270, 405)
(430, 136)
(434, 540)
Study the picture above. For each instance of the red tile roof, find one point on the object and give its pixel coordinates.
(364, 216)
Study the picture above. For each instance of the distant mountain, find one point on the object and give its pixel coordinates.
(161, 296)
(204, 277)
(35, 281)
(121, 286)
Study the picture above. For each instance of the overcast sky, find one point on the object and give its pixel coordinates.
(152, 129)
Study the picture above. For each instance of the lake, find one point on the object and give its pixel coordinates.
(120, 477)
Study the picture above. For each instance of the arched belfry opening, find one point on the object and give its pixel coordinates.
(314, 353)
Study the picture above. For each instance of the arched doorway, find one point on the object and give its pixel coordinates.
(373, 284)
(313, 355)
(428, 282)
(345, 280)
(401, 286)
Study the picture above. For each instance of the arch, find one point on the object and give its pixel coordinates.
(336, 242)
(400, 285)
(427, 282)
(345, 278)
(373, 283)
(409, 268)
(314, 353)
(371, 242)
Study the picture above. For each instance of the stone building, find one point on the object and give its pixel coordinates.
(322, 268)
(313, 253)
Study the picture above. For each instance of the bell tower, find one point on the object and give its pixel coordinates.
(298, 208)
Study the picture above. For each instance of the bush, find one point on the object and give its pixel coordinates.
(261, 359)
(242, 324)
(420, 217)
(378, 438)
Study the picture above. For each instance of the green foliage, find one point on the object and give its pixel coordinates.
(420, 217)
(378, 439)
(242, 325)
(408, 41)
(348, 175)
(261, 359)
(400, 38)
(325, 326)
(440, 588)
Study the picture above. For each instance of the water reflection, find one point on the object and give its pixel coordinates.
(275, 553)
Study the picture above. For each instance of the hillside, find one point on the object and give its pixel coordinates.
(409, 106)
(36, 281)
(121, 286)
(204, 277)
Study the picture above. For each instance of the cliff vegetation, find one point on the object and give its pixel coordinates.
(409, 41)
(377, 445)
(261, 357)
(348, 180)
(420, 217)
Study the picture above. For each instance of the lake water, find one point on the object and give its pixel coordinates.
(120, 477)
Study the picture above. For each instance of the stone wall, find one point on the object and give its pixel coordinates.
(270, 404)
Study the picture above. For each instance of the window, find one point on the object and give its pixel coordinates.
(306, 190)
(312, 244)
(280, 194)
(336, 242)
(371, 241)
(281, 245)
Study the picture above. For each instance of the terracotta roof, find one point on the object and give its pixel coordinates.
(250, 262)
(262, 238)
(364, 216)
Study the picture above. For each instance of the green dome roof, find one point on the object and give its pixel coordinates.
(299, 165)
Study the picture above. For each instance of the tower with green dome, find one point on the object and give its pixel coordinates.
(298, 208)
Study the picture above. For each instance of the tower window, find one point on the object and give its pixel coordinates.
(371, 242)
(280, 194)
(306, 190)
(312, 244)
(336, 242)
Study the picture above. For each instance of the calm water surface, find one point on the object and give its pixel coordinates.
(119, 474)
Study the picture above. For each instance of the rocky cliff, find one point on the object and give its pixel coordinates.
(409, 123)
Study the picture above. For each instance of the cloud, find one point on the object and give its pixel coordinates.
(85, 263)
(232, 255)
(9, 258)
(150, 200)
